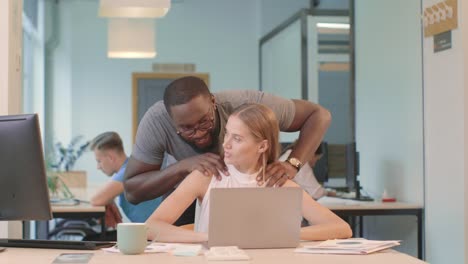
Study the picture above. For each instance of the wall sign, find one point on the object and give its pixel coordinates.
(440, 17)
(443, 41)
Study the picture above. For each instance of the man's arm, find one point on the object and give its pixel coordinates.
(106, 194)
(312, 120)
(145, 181)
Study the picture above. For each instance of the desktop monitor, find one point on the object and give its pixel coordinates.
(23, 184)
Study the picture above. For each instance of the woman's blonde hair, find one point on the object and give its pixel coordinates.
(262, 123)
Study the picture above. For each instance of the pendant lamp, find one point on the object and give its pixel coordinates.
(131, 38)
(134, 8)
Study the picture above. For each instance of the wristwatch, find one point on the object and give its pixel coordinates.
(296, 163)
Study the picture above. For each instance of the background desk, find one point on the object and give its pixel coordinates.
(84, 208)
(345, 208)
(80, 211)
(264, 256)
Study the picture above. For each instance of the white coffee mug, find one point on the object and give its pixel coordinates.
(131, 238)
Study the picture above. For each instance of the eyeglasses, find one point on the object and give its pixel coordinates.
(206, 123)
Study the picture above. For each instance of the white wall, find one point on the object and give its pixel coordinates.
(275, 12)
(281, 63)
(389, 119)
(281, 67)
(220, 37)
(445, 86)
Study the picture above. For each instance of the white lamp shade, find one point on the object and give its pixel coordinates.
(134, 8)
(131, 38)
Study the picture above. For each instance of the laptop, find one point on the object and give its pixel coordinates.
(255, 217)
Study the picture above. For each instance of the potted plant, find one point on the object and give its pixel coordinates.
(66, 157)
(62, 163)
(57, 188)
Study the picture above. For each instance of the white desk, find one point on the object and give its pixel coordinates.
(346, 207)
(264, 256)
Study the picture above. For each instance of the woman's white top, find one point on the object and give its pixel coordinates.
(236, 179)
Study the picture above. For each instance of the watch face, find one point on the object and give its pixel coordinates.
(295, 162)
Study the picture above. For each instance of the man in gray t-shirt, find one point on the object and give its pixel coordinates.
(189, 125)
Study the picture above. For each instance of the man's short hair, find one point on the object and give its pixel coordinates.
(184, 89)
(107, 141)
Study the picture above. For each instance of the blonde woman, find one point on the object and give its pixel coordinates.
(250, 143)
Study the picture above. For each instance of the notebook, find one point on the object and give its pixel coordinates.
(255, 217)
(350, 246)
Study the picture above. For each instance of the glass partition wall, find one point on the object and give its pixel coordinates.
(310, 56)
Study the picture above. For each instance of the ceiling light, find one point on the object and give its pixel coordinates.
(131, 38)
(134, 8)
(333, 25)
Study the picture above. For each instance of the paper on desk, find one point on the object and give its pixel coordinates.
(187, 250)
(326, 200)
(352, 246)
(152, 248)
(73, 258)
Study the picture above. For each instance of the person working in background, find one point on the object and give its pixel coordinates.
(250, 144)
(189, 124)
(306, 177)
(112, 160)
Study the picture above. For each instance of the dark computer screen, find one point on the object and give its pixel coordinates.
(321, 166)
(23, 184)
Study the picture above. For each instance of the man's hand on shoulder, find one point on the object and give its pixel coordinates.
(277, 173)
(207, 163)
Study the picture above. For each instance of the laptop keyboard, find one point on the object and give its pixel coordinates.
(57, 244)
(226, 253)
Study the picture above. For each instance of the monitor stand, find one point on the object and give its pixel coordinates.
(360, 197)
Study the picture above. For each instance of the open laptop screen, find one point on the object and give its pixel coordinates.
(255, 217)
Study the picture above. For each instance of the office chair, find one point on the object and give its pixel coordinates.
(73, 229)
